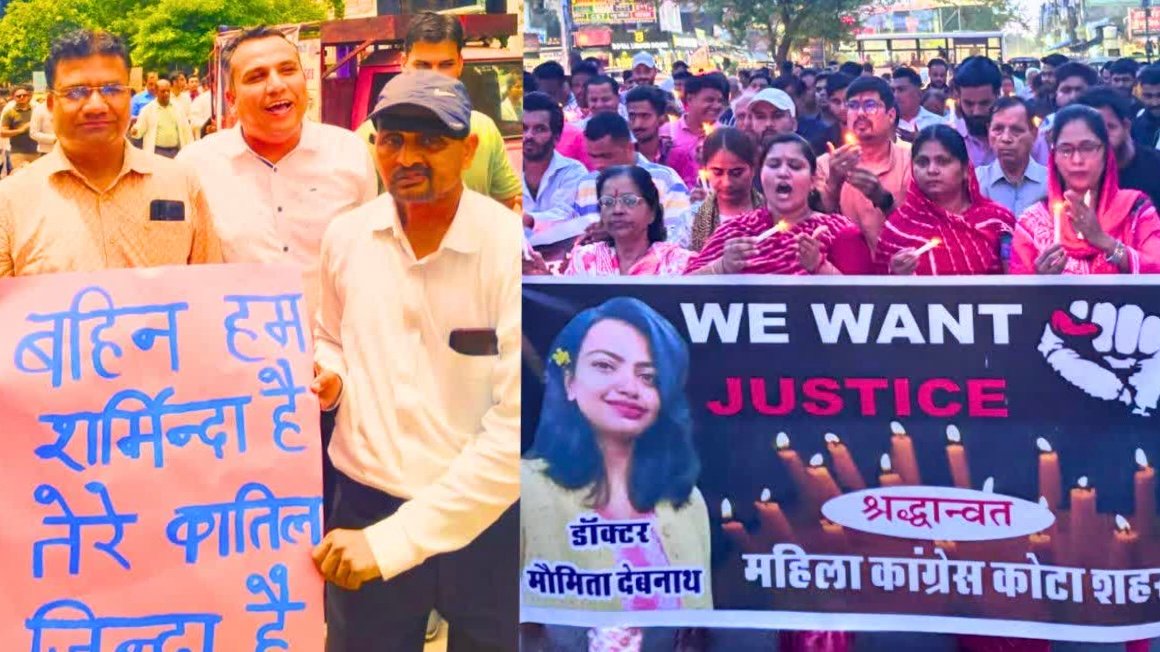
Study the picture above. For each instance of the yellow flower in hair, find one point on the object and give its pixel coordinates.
(561, 358)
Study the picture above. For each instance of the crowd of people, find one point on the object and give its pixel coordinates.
(421, 442)
(843, 171)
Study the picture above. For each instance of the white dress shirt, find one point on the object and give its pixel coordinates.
(418, 420)
(42, 130)
(267, 213)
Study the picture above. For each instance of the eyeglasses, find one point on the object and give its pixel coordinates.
(869, 107)
(628, 200)
(82, 93)
(1085, 150)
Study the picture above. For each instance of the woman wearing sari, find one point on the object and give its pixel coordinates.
(1087, 224)
(633, 217)
(944, 206)
(800, 240)
(730, 155)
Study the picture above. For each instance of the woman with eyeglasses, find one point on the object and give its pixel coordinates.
(632, 216)
(945, 226)
(1087, 224)
(787, 233)
(730, 156)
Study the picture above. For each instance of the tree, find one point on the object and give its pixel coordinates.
(180, 33)
(788, 23)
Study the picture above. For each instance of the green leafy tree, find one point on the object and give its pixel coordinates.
(180, 33)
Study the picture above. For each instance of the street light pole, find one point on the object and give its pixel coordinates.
(1147, 6)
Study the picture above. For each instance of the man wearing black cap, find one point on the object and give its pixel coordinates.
(418, 344)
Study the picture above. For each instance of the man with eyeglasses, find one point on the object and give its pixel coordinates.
(95, 202)
(16, 126)
(418, 345)
(866, 180)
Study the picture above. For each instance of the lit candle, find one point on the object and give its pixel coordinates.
(793, 464)
(708, 128)
(1083, 519)
(824, 487)
(989, 485)
(1050, 480)
(957, 458)
(844, 464)
(1057, 211)
(1036, 121)
(704, 176)
(1040, 544)
(833, 536)
(888, 478)
(1123, 544)
(902, 453)
(849, 138)
(735, 530)
(781, 226)
(773, 520)
(930, 244)
(1145, 495)
(948, 547)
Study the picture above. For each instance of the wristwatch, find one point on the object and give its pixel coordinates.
(886, 204)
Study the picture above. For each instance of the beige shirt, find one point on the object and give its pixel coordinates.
(267, 213)
(417, 419)
(894, 175)
(53, 220)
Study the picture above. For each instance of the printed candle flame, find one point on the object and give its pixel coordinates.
(1082, 483)
(1043, 502)
(896, 428)
(726, 510)
(831, 438)
(885, 464)
(766, 495)
(817, 460)
(1122, 524)
(953, 434)
(1043, 445)
(989, 486)
(782, 441)
(1141, 458)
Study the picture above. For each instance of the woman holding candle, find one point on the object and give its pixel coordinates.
(615, 441)
(632, 216)
(729, 159)
(945, 226)
(1110, 231)
(808, 242)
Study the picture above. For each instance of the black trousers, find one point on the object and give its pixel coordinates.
(327, 427)
(476, 589)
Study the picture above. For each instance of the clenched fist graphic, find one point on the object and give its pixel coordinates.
(1110, 353)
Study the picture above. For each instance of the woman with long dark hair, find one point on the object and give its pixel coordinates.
(787, 233)
(730, 157)
(1087, 224)
(615, 442)
(945, 226)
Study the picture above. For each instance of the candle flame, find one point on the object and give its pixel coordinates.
(672, 118)
(1036, 121)
(897, 428)
(884, 462)
(782, 441)
(1082, 482)
(1087, 198)
(953, 434)
(1043, 502)
(704, 174)
(1122, 524)
(1043, 445)
(831, 438)
(825, 522)
(849, 138)
(708, 128)
(989, 486)
(1141, 458)
(1057, 209)
(766, 495)
(817, 460)
(934, 242)
(726, 510)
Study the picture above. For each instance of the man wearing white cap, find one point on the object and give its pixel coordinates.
(644, 69)
(772, 112)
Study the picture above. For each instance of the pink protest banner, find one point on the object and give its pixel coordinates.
(161, 472)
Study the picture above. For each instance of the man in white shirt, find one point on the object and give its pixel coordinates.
(912, 116)
(418, 344)
(41, 129)
(275, 181)
(163, 125)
